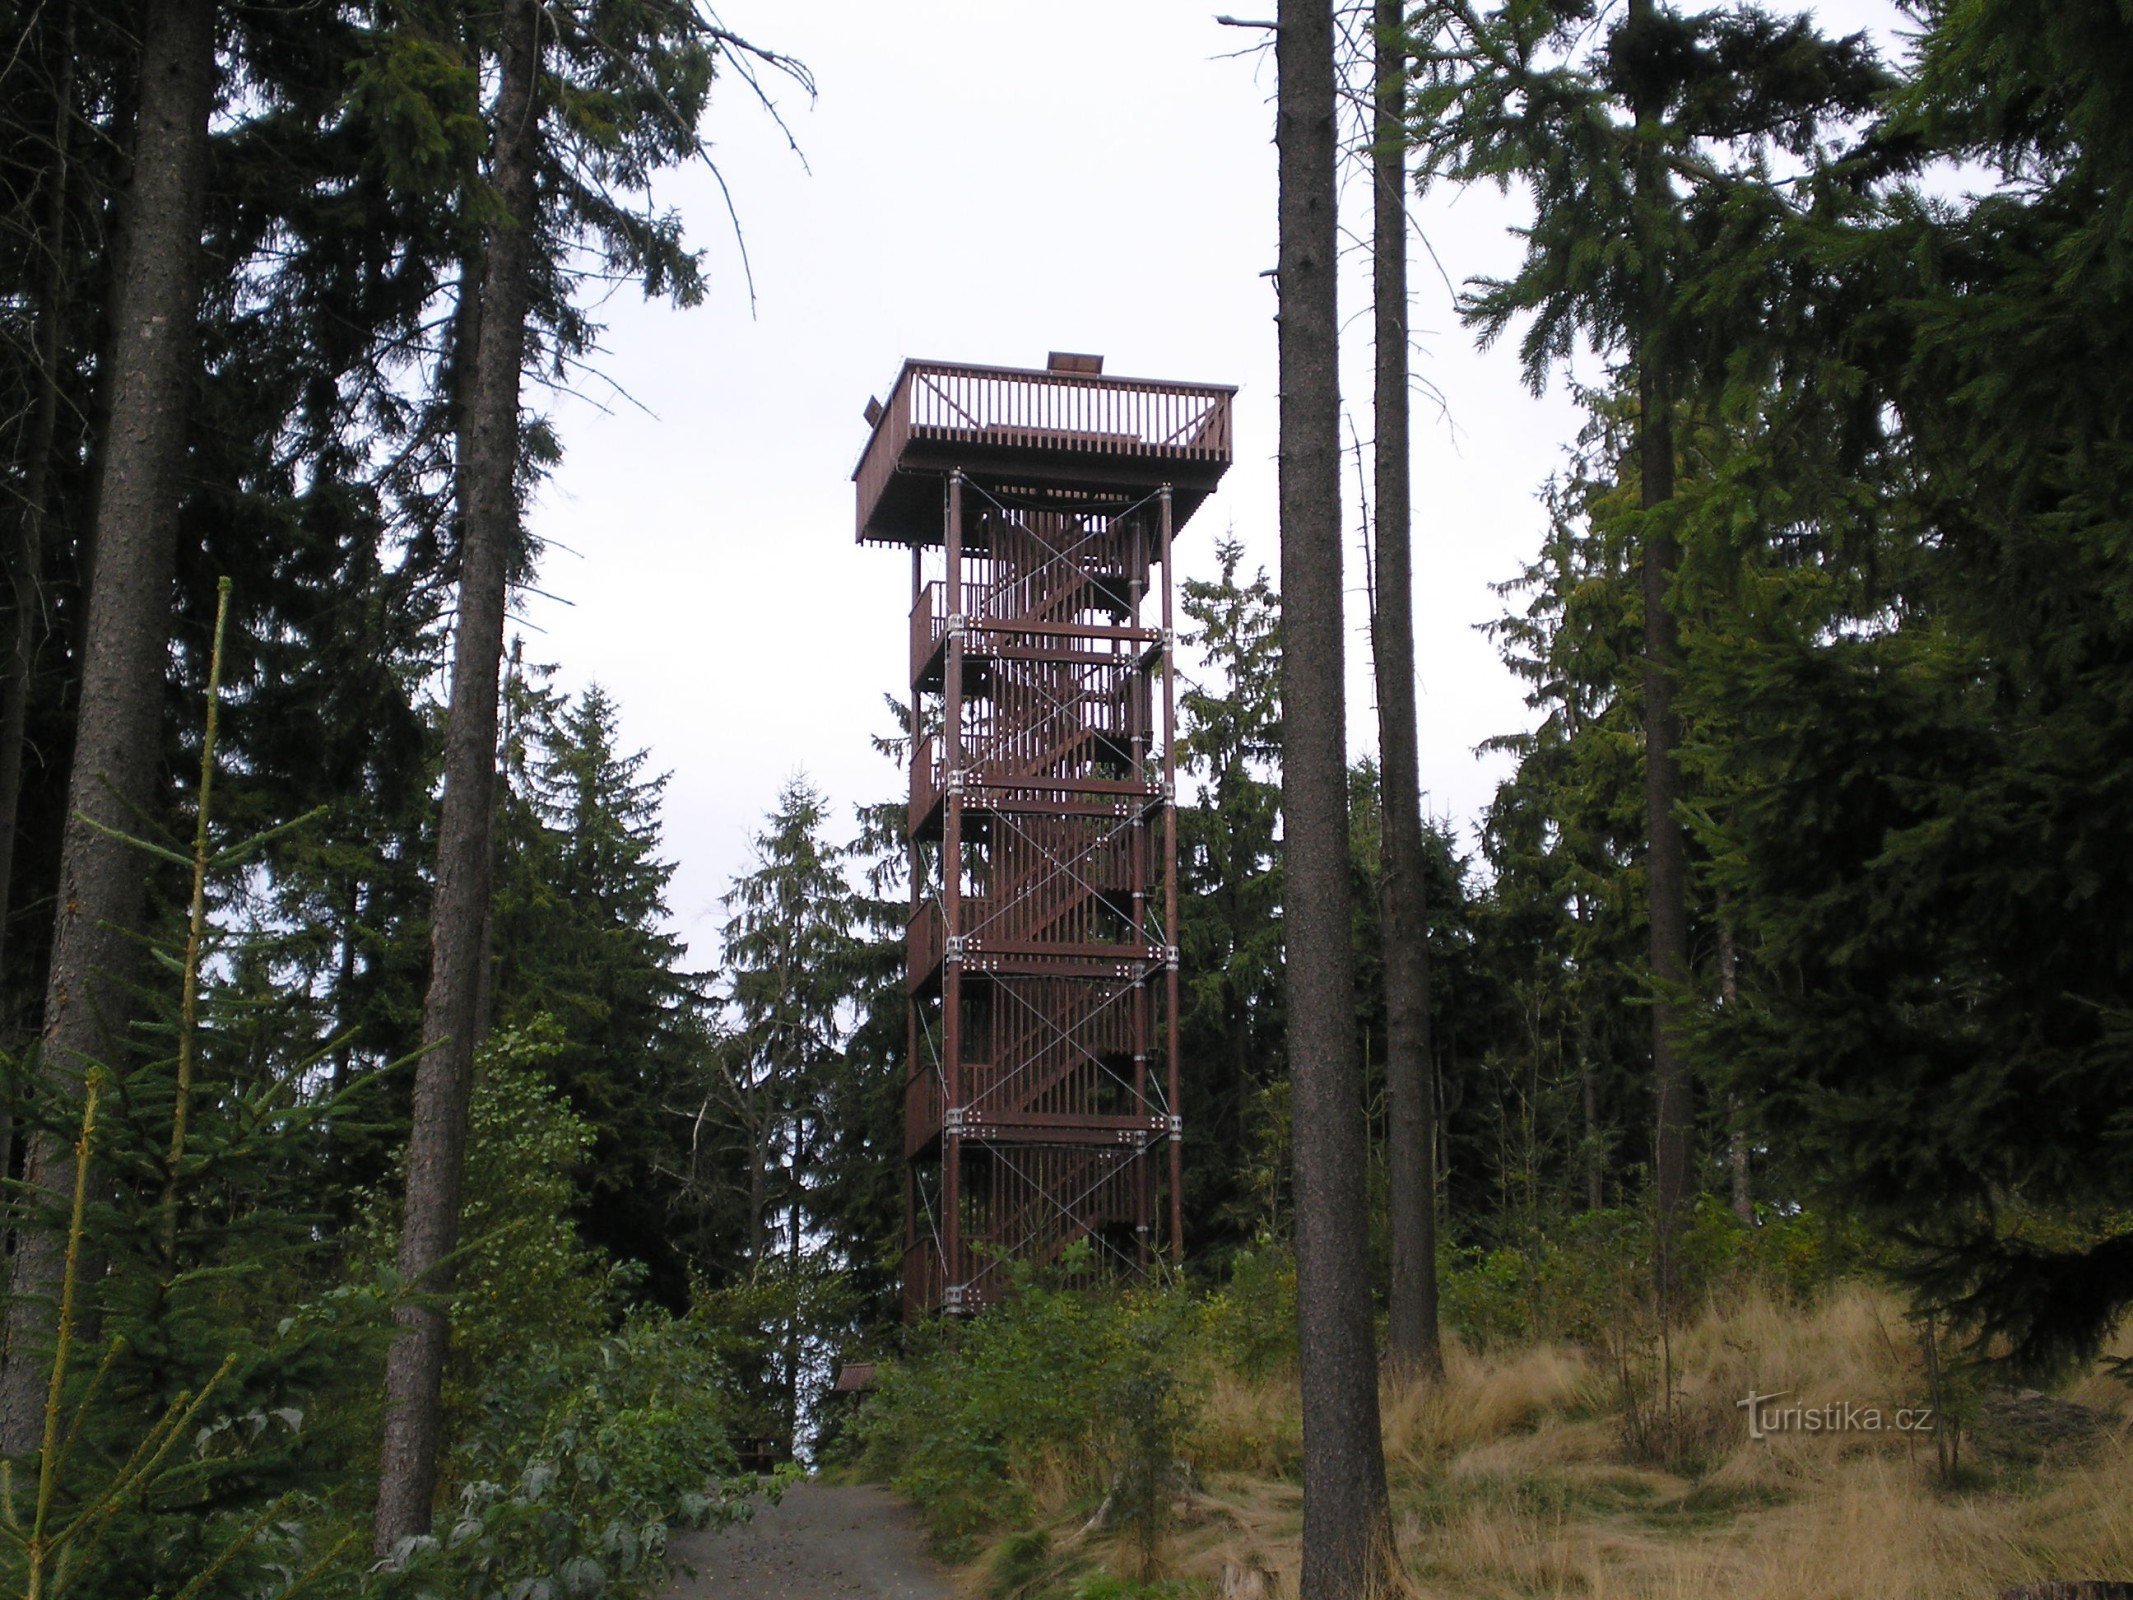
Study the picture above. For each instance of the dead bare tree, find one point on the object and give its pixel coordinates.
(1412, 1346)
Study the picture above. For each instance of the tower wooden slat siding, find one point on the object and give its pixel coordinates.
(1041, 1089)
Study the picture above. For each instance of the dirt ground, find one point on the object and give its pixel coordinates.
(822, 1542)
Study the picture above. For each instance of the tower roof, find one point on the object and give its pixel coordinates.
(1063, 436)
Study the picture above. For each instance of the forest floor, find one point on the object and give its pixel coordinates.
(820, 1542)
(1514, 1479)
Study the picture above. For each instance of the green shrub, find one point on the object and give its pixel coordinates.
(572, 1441)
(1483, 1295)
(1251, 1320)
(1019, 1562)
(1581, 1276)
(1085, 1394)
(577, 1460)
(525, 1277)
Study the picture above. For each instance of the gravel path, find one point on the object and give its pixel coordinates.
(822, 1542)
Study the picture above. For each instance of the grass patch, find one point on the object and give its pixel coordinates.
(1517, 1476)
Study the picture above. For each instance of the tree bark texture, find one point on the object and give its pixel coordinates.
(1347, 1534)
(489, 521)
(1412, 1346)
(126, 637)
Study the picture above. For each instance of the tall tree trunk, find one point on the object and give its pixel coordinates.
(1347, 1538)
(489, 520)
(758, 1177)
(1593, 1156)
(1737, 1131)
(344, 984)
(485, 972)
(792, 1289)
(1666, 859)
(24, 628)
(119, 728)
(1589, 1102)
(1410, 1155)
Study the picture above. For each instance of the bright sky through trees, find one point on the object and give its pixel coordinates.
(707, 555)
(713, 583)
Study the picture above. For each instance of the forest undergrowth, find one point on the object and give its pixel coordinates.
(1560, 1463)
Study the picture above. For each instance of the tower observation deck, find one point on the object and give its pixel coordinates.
(1041, 1086)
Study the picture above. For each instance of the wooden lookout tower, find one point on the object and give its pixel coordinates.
(1041, 1092)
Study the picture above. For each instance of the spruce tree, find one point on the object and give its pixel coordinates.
(794, 955)
(859, 1196)
(1631, 139)
(591, 104)
(1229, 868)
(1930, 717)
(1563, 833)
(579, 936)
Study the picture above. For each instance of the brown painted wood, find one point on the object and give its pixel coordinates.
(1041, 974)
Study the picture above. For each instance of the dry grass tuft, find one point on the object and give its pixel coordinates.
(1486, 1399)
(1260, 1524)
(1513, 1479)
(1249, 1427)
(2102, 1389)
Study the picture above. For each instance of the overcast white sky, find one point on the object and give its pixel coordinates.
(990, 180)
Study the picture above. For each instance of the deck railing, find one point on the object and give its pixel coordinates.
(922, 1109)
(943, 402)
(925, 782)
(923, 945)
